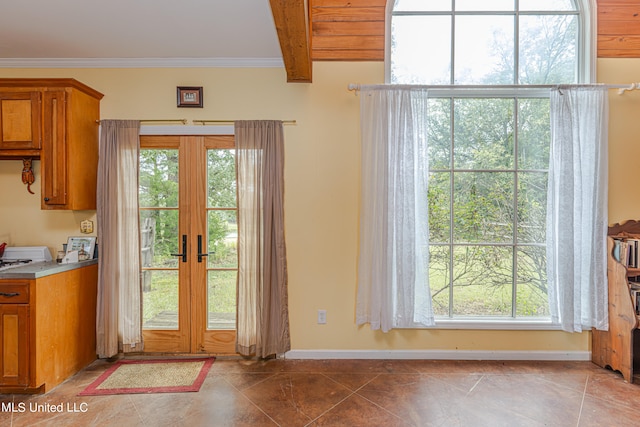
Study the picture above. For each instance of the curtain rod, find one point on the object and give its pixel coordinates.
(202, 122)
(231, 122)
(621, 88)
(183, 121)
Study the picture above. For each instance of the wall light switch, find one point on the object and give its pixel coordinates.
(322, 317)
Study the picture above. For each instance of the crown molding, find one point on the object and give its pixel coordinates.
(141, 63)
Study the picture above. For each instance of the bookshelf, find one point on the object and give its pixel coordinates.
(616, 347)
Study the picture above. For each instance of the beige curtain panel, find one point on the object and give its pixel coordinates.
(119, 323)
(263, 316)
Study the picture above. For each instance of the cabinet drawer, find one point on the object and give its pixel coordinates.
(14, 293)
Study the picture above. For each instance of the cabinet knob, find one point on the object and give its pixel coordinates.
(46, 199)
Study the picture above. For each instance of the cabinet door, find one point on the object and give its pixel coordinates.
(54, 149)
(14, 344)
(20, 120)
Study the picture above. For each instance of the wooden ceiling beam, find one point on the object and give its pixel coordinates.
(292, 25)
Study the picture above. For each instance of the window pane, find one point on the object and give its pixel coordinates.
(484, 50)
(422, 5)
(221, 179)
(532, 299)
(485, 5)
(488, 157)
(483, 207)
(439, 133)
(158, 182)
(534, 133)
(221, 300)
(482, 284)
(415, 59)
(483, 134)
(439, 207)
(159, 238)
(223, 239)
(439, 279)
(548, 49)
(553, 5)
(532, 207)
(160, 299)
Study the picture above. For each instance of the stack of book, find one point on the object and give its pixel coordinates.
(626, 250)
(635, 296)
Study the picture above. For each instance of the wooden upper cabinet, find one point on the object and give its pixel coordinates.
(54, 166)
(20, 124)
(55, 120)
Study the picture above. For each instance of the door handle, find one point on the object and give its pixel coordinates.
(200, 253)
(184, 249)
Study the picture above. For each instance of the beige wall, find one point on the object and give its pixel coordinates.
(322, 185)
(624, 138)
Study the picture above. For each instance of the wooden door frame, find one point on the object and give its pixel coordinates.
(211, 341)
(192, 335)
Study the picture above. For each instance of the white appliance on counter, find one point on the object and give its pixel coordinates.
(19, 256)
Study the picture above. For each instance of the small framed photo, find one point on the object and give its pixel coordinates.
(85, 245)
(190, 96)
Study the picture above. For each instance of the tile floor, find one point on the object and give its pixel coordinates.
(354, 393)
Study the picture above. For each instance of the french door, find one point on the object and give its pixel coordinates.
(189, 264)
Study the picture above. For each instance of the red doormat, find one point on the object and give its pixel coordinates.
(151, 376)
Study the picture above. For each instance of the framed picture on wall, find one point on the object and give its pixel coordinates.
(85, 245)
(190, 96)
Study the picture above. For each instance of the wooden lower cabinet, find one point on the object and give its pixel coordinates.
(616, 348)
(14, 329)
(47, 329)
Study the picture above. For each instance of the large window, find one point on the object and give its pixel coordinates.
(487, 64)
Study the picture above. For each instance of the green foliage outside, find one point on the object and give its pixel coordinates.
(488, 162)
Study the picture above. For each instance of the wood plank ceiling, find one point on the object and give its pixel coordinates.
(353, 30)
(618, 29)
(347, 30)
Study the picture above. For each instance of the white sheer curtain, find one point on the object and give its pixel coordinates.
(393, 286)
(119, 323)
(577, 208)
(263, 316)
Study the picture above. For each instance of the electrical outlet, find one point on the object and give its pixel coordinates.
(322, 317)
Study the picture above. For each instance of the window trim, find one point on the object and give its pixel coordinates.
(481, 323)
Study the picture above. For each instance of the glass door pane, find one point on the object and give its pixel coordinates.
(158, 198)
(222, 241)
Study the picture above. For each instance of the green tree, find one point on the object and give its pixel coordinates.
(158, 189)
(222, 195)
(158, 184)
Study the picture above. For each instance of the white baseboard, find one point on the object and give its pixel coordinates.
(440, 355)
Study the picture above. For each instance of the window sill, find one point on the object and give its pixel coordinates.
(497, 324)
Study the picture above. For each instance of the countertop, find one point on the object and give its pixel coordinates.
(41, 269)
